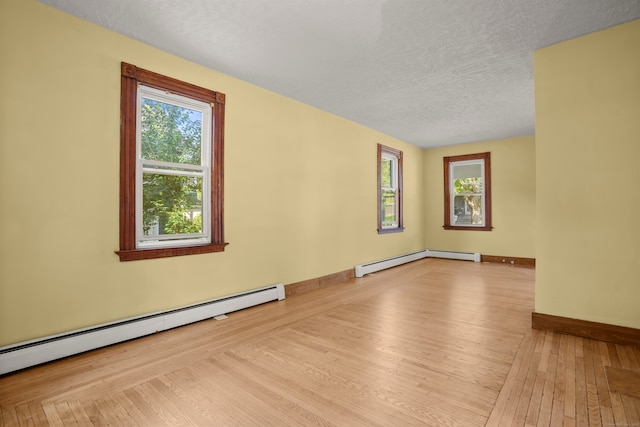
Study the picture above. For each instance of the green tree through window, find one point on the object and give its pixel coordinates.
(173, 134)
(470, 191)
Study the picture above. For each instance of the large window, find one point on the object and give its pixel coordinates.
(389, 190)
(171, 167)
(467, 192)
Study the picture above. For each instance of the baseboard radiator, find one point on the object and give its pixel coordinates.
(466, 256)
(372, 267)
(35, 352)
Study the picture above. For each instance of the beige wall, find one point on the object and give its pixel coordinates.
(513, 200)
(588, 154)
(300, 195)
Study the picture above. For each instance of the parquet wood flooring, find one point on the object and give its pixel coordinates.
(431, 343)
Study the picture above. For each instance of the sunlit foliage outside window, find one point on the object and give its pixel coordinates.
(172, 204)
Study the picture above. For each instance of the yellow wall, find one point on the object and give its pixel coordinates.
(300, 184)
(588, 156)
(513, 195)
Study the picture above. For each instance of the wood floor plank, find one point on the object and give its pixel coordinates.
(189, 394)
(8, 416)
(631, 409)
(582, 411)
(53, 417)
(110, 414)
(593, 403)
(525, 397)
(24, 417)
(559, 392)
(92, 411)
(570, 376)
(65, 413)
(29, 414)
(521, 388)
(81, 417)
(624, 381)
(549, 368)
(618, 411)
(604, 398)
(209, 402)
(542, 351)
(148, 415)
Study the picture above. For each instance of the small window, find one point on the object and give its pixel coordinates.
(467, 192)
(389, 190)
(171, 169)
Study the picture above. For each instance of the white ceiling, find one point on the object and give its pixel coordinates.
(429, 72)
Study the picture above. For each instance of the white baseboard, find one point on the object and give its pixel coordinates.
(383, 264)
(467, 256)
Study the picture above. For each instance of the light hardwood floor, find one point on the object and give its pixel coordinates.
(434, 343)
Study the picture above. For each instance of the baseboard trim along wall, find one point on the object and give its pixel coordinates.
(308, 285)
(509, 260)
(35, 352)
(586, 329)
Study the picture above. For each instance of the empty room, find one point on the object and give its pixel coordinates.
(310, 212)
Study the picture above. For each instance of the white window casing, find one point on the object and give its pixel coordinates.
(201, 170)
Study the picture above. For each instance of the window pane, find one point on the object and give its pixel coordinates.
(170, 133)
(171, 204)
(386, 171)
(389, 211)
(467, 185)
(467, 210)
(467, 170)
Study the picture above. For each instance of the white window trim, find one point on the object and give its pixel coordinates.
(395, 156)
(393, 187)
(453, 193)
(203, 170)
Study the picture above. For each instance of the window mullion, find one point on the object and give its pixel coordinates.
(197, 174)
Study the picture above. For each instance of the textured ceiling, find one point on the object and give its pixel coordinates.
(429, 72)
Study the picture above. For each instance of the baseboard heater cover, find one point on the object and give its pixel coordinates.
(466, 256)
(383, 264)
(35, 352)
(372, 267)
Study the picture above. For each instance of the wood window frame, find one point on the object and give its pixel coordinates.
(131, 77)
(486, 157)
(382, 149)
